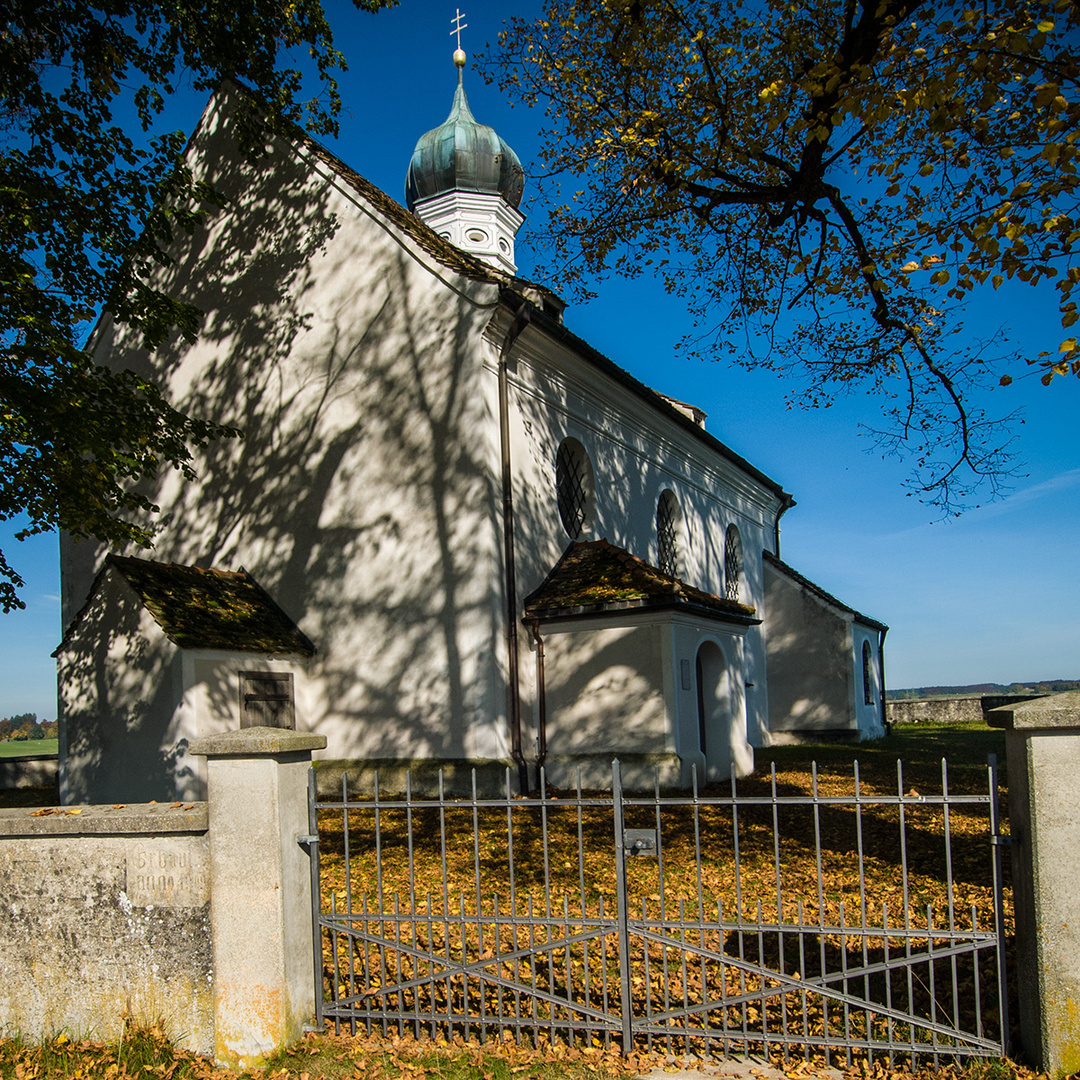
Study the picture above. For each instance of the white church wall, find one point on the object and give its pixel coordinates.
(360, 496)
(809, 650)
(636, 454)
(605, 689)
(608, 684)
(121, 687)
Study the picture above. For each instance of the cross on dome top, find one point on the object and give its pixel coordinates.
(459, 52)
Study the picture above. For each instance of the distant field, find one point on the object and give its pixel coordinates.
(29, 746)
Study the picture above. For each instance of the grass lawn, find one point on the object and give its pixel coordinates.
(919, 746)
(28, 747)
(146, 1054)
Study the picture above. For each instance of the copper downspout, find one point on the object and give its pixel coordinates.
(541, 697)
(522, 318)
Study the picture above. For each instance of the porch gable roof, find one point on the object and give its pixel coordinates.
(595, 577)
(201, 608)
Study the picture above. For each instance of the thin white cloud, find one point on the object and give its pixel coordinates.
(1053, 486)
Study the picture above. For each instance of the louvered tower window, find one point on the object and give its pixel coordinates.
(733, 563)
(574, 487)
(667, 534)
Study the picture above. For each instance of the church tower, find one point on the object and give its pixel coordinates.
(466, 183)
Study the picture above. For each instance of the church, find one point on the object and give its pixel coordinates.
(453, 535)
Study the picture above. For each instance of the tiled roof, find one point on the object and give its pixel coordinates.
(818, 591)
(599, 577)
(199, 608)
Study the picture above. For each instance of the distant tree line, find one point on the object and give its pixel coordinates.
(917, 693)
(26, 726)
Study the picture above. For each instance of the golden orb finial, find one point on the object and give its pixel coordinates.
(459, 52)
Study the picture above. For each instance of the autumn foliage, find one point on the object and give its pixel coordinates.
(826, 183)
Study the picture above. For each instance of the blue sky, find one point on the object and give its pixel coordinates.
(993, 596)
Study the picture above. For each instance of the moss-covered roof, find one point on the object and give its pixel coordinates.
(198, 608)
(599, 577)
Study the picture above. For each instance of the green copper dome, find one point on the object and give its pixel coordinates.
(463, 155)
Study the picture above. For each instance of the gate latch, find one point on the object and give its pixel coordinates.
(639, 841)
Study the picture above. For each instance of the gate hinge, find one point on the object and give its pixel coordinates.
(1004, 841)
(639, 841)
(305, 840)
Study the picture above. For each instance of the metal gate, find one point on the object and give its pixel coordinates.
(846, 923)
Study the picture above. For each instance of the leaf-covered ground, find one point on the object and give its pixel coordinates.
(146, 1053)
(824, 867)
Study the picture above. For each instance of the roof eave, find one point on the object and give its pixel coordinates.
(622, 607)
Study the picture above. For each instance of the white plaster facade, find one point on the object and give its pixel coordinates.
(360, 354)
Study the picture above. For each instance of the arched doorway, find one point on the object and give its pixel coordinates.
(714, 710)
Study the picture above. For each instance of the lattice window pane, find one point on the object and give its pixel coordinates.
(573, 483)
(667, 536)
(733, 563)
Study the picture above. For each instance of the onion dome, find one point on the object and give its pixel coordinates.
(463, 155)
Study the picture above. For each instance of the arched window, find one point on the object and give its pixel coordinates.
(733, 563)
(667, 533)
(867, 674)
(574, 487)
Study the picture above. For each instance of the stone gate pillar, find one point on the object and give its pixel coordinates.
(1043, 758)
(260, 906)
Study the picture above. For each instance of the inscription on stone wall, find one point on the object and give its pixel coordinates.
(168, 873)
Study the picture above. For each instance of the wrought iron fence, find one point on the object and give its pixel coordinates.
(842, 923)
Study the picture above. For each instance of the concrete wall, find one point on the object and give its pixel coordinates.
(106, 914)
(195, 914)
(936, 711)
(965, 710)
(34, 770)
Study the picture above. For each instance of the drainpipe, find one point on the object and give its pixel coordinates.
(541, 698)
(787, 503)
(881, 673)
(522, 318)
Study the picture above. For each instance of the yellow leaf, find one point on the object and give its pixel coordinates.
(1045, 26)
(1067, 345)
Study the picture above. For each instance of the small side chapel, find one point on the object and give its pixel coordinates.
(453, 535)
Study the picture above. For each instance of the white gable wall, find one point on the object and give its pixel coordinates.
(362, 495)
(811, 681)
(121, 686)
